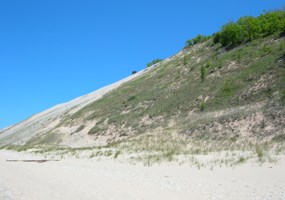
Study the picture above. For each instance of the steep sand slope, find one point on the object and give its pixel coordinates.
(46, 120)
(90, 179)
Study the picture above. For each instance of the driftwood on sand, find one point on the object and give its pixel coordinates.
(37, 161)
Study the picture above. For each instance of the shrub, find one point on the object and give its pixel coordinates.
(250, 28)
(131, 98)
(94, 130)
(117, 154)
(228, 88)
(231, 35)
(208, 65)
(259, 152)
(279, 138)
(185, 60)
(203, 73)
(198, 39)
(217, 38)
(272, 22)
(266, 49)
(80, 128)
(202, 106)
(241, 160)
(153, 62)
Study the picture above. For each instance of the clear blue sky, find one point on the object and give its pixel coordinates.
(55, 50)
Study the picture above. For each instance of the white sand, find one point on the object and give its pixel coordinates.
(89, 179)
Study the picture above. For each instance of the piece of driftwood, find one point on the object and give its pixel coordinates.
(37, 161)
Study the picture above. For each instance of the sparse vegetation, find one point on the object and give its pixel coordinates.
(279, 138)
(259, 153)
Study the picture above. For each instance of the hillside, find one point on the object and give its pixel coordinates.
(207, 98)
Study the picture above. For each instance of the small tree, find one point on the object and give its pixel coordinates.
(203, 73)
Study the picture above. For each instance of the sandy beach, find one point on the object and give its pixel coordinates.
(74, 179)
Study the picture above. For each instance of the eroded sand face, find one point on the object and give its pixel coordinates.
(89, 179)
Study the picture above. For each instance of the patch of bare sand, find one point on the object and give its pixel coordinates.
(89, 179)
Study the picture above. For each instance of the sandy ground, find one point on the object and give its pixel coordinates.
(73, 179)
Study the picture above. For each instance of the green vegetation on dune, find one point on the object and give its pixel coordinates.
(249, 28)
(173, 89)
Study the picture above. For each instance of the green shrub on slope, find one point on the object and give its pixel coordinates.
(250, 28)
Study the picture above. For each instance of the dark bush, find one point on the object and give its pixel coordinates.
(217, 38)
